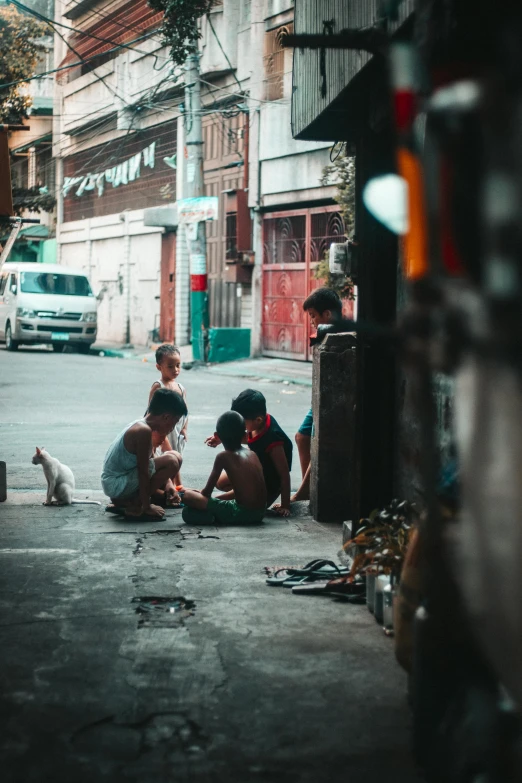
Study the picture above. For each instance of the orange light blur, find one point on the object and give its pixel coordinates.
(415, 242)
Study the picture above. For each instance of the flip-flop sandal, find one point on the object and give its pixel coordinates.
(112, 509)
(321, 566)
(314, 576)
(338, 587)
(280, 574)
(310, 573)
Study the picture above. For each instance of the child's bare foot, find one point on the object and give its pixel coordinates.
(152, 512)
(300, 495)
(173, 501)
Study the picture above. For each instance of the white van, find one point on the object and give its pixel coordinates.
(46, 303)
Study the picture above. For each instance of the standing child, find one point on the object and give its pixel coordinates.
(266, 439)
(246, 501)
(323, 306)
(131, 475)
(168, 362)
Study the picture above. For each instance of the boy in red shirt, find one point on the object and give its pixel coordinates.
(271, 444)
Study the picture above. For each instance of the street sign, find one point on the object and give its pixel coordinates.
(197, 210)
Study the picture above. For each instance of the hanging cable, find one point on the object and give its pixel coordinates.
(74, 51)
(46, 19)
(209, 20)
(83, 61)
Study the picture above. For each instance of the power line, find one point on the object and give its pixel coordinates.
(74, 65)
(73, 50)
(67, 27)
(108, 16)
(209, 20)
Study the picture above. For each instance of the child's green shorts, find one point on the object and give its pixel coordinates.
(231, 513)
(228, 512)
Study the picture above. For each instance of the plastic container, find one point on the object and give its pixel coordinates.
(381, 582)
(387, 613)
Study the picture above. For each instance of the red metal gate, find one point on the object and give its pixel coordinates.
(168, 287)
(293, 244)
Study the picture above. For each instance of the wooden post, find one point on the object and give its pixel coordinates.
(333, 479)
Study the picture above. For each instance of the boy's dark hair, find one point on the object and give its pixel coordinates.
(166, 350)
(324, 299)
(167, 401)
(250, 404)
(231, 428)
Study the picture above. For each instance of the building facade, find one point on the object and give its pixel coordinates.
(119, 143)
(32, 164)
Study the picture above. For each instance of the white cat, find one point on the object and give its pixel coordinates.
(60, 480)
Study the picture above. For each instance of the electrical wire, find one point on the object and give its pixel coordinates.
(108, 16)
(159, 41)
(75, 52)
(46, 19)
(73, 65)
(242, 94)
(209, 20)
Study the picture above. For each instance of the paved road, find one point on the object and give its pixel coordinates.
(240, 682)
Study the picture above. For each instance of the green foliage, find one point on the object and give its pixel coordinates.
(340, 172)
(382, 540)
(180, 25)
(341, 284)
(19, 54)
(31, 199)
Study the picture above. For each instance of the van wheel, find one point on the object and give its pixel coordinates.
(58, 347)
(10, 344)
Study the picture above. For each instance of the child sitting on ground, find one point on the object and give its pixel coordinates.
(131, 475)
(246, 501)
(269, 442)
(168, 362)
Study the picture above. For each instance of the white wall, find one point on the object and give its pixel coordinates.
(102, 248)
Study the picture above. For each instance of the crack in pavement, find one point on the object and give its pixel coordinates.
(115, 613)
(164, 727)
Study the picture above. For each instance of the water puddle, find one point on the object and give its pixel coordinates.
(162, 611)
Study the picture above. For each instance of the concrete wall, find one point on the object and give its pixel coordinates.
(122, 259)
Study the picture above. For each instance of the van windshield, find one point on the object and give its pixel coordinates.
(50, 283)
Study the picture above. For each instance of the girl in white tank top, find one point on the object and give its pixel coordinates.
(168, 362)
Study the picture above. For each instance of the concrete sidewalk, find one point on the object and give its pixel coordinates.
(261, 368)
(155, 652)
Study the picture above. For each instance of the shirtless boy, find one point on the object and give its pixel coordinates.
(131, 475)
(246, 501)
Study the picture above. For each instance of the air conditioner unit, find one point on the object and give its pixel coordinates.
(342, 258)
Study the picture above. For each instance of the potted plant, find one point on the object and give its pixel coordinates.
(379, 548)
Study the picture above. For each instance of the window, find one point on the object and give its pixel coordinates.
(12, 281)
(231, 236)
(274, 62)
(3, 281)
(49, 283)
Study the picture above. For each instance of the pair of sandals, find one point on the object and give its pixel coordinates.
(320, 577)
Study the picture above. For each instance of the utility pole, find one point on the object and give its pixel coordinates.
(194, 188)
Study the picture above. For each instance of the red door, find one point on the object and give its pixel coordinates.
(168, 287)
(293, 244)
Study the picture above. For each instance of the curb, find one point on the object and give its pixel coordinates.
(217, 369)
(116, 353)
(255, 376)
